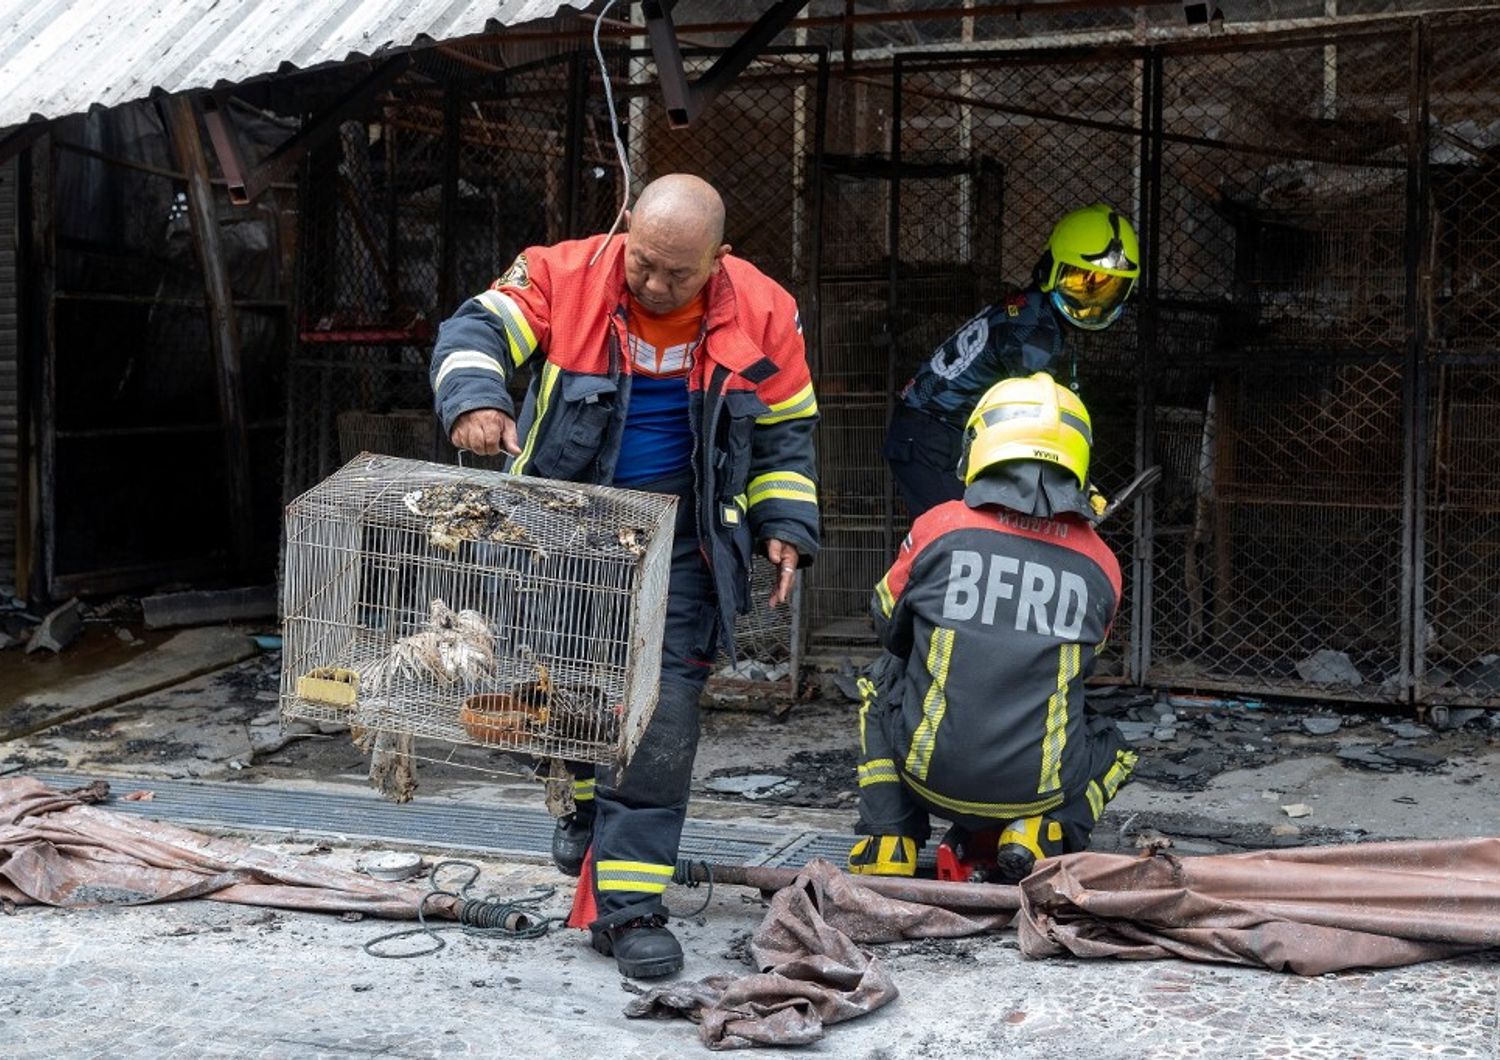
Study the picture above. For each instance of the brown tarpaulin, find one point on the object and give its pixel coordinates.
(57, 850)
(1307, 910)
(812, 973)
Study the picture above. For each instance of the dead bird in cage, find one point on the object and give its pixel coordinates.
(518, 514)
(460, 513)
(456, 646)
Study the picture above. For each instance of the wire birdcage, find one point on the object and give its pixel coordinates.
(475, 607)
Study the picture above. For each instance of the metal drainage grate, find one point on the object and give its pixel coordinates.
(492, 829)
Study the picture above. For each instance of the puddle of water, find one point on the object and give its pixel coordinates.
(98, 648)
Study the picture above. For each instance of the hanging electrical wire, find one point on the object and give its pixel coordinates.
(614, 128)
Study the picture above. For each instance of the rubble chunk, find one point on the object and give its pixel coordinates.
(1322, 724)
(1413, 757)
(1297, 809)
(1136, 731)
(1328, 667)
(752, 785)
(1366, 758)
(59, 629)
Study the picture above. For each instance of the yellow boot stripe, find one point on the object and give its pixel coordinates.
(643, 876)
(583, 789)
(934, 704)
(648, 867)
(1068, 662)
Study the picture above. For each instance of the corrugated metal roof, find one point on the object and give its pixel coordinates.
(61, 57)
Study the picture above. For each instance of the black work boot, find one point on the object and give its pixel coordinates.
(643, 948)
(570, 841)
(1013, 863)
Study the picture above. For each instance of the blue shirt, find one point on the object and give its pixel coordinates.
(658, 439)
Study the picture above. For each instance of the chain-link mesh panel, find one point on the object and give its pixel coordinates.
(1282, 267)
(1278, 541)
(1458, 632)
(1283, 190)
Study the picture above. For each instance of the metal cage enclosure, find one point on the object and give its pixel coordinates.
(475, 607)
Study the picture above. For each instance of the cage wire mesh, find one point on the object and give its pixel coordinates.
(473, 607)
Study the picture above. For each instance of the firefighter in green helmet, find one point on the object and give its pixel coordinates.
(1083, 280)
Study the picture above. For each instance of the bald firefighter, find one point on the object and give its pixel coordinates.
(1082, 281)
(990, 619)
(660, 362)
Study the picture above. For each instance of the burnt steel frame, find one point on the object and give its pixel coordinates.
(686, 99)
(1417, 361)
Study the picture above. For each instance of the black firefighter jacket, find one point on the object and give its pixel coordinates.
(997, 617)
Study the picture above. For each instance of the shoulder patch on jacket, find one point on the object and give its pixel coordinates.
(518, 275)
(1014, 304)
(761, 370)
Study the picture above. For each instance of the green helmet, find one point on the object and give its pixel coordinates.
(1092, 261)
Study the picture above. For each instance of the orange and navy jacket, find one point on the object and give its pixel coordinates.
(751, 400)
(997, 617)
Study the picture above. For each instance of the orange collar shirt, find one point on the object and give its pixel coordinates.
(658, 439)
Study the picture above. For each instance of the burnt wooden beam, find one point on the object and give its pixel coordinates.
(20, 138)
(187, 147)
(246, 181)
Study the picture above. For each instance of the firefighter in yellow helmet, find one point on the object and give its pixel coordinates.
(990, 618)
(1083, 279)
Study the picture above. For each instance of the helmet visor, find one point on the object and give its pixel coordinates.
(1089, 297)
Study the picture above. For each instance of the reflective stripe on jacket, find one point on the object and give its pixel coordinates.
(751, 400)
(997, 617)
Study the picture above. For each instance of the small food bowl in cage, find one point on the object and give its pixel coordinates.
(474, 607)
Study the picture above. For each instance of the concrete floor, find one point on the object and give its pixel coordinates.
(205, 979)
(201, 979)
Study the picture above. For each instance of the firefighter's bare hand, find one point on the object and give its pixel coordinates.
(785, 557)
(485, 432)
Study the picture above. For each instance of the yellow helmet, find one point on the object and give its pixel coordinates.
(1091, 265)
(1029, 418)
